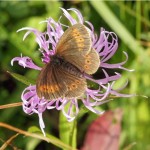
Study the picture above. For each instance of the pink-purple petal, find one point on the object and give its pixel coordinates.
(26, 62)
(69, 17)
(41, 122)
(79, 15)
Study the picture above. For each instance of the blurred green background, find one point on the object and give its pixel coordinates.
(130, 20)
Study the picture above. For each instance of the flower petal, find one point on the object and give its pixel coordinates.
(79, 15)
(41, 122)
(68, 16)
(26, 62)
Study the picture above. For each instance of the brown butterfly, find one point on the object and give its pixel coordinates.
(63, 75)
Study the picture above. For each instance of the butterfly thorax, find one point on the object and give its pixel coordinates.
(58, 61)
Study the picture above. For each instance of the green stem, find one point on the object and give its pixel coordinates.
(67, 130)
(73, 134)
(138, 20)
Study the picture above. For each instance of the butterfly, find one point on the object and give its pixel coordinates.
(63, 76)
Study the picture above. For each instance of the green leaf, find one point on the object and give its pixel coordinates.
(54, 140)
(22, 78)
(68, 130)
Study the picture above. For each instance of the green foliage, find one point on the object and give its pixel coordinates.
(128, 19)
(51, 138)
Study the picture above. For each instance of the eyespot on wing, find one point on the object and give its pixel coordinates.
(91, 62)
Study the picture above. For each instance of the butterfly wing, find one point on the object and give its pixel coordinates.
(91, 62)
(75, 47)
(50, 84)
(76, 85)
(86, 63)
(76, 39)
(56, 82)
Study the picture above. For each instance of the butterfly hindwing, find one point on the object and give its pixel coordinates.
(91, 62)
(75, 85)
(86, 63)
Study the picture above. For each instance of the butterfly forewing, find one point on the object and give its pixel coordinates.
(75, 39)
(55, 81)
(50, 85)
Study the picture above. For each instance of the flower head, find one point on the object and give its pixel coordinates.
(47, 42)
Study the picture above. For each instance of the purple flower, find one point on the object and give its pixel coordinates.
(47, 42)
